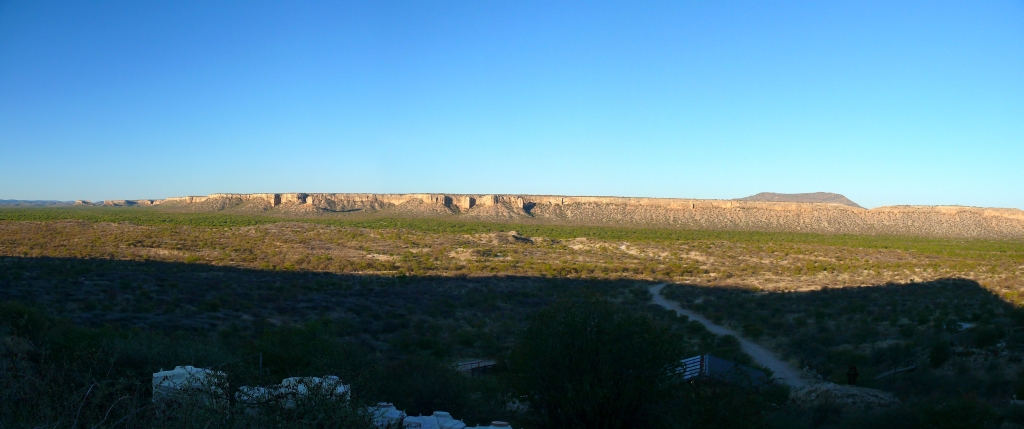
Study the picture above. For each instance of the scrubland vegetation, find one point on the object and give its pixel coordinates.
(962, 337)
(97, 299)
(769, 260)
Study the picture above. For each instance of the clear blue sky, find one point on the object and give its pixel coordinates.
(886, 102)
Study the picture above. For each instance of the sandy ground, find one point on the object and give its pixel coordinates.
(784, 371)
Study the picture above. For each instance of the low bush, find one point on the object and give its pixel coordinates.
(587, 363)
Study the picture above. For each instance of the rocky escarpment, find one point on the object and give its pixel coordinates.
(943, 221)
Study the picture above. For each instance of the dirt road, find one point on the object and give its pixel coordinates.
(784, 372)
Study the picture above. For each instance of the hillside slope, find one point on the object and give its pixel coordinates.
(812, 197)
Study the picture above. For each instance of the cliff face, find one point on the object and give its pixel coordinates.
(943, 221)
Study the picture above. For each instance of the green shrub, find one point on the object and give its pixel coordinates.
(422, 384)
(939, 354)
(958, 413)
(588, 363)
(22, 320)
(753, 331)
(709, 404)
(987, 336)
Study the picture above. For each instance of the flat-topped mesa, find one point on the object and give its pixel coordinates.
(119, 203)
(818, 217)
(326, 200)
(468, 201)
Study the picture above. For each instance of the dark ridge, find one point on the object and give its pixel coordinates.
(811, 197)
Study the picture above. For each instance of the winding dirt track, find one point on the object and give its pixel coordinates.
(784, 371)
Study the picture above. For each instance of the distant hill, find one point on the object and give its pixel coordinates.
(35, 203)
(811, 197)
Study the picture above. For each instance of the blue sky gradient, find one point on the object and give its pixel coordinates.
(885, 102)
